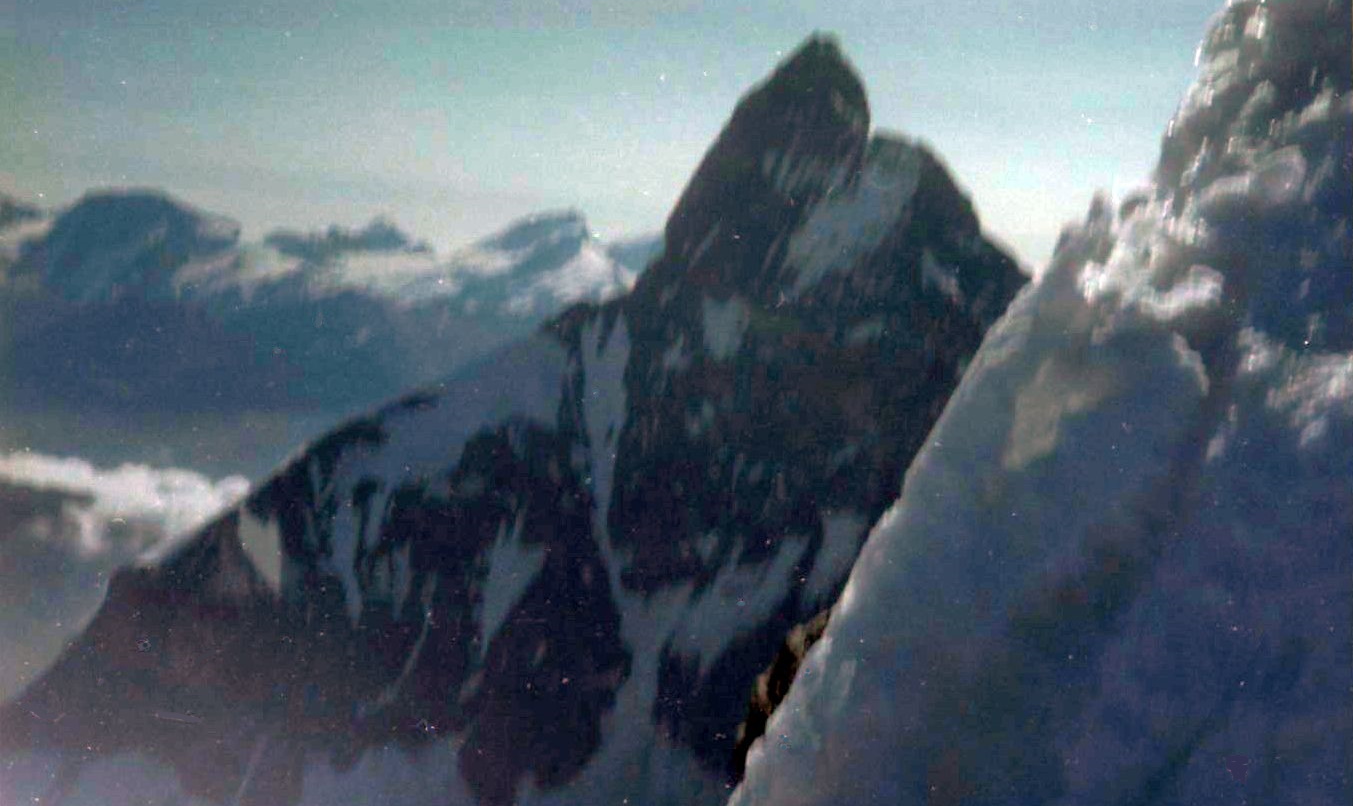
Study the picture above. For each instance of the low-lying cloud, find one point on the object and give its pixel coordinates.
(65, 527)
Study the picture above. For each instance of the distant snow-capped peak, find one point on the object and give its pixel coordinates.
(535, 265)
(115, 242)
(146, 243)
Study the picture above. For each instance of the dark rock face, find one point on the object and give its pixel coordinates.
(816, 410)
(39, 534)
(807, 125)
(169, 657)
(773, 684)
(572, 562)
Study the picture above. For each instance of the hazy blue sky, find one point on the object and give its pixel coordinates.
(454, 117)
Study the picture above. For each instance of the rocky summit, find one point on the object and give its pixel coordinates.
(555, 577)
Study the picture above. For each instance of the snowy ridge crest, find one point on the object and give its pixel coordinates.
(1135, 502)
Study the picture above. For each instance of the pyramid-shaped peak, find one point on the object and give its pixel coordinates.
(541, 228)
(820, 51)
(817, 75)
(793, 138)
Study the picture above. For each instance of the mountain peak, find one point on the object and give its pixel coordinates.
(551, 226)
(124, 238)
(794, 139)
(818, 76)
(379, 235)
(535, 263)
(568, 565)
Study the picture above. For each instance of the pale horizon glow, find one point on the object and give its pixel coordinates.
(454, 119)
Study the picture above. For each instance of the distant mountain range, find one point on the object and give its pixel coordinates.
(133, 307)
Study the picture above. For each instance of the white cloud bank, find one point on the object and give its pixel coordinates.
(65, 526)
(173, 500)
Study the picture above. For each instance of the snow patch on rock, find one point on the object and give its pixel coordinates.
(739, 595)
(512, 567)
(724, 323)
(939, 276)
(842, 533)
(845, 227)
(526, 383)
(870, 330)
(604, 405)
(262, 542)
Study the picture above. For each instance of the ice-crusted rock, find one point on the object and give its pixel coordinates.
(1120, 569)
(555, 577)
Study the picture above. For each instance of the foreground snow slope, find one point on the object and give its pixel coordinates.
(1120, 570)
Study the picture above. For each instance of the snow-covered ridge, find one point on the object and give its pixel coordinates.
(1120, 569)
(533, 266)
(541, 229)
(105, 296)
